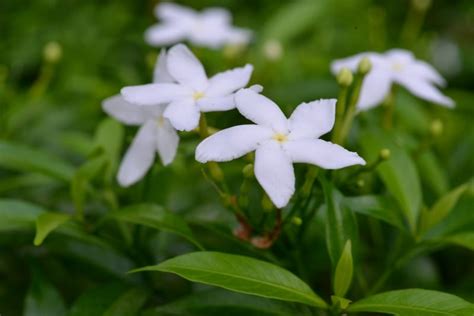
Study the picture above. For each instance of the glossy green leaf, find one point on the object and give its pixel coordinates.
(216, 302)
(46, 223)
(344, 270)
(462, 239)
(129, 303)
(379, 207)
(398, 173)
(22, 158)
(414, 302)
(155, 216)
(442, 207)
(16, 214)
(43, 298)
(432, 173)
(240, 274)
(341, 224)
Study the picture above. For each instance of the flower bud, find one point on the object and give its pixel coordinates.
(216, 172)
(248, 171)
(384, 154)
(52, 52)
(364, 66)
(296, 220)
(421, 5)
(273, 50)
(344, 77)
(360, 183)
(267, 204)
(436, 128)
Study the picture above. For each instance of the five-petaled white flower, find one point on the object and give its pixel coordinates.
(395, 66)
(210, 28)
(279, 142)
(155, 133)
(193, 92)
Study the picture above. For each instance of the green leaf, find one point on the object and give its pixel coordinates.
(414, 302)
(341, 224)
(376, 206)
(216, 302)
(107, 300)
(344, 270)
(155, 216)
(109, 138)
(46, 223)
(22, 158)
(398, 173)
(43, 298)
(16, 214)
(442, 207)
(240, 274)
(462, 239)
(432, 173)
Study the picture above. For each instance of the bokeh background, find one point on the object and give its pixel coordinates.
(59, 59)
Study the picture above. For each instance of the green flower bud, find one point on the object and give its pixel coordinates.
(360, 183)
(436, 128)
(52, 52)
(296, 220)
(421, 5)
(216, 172)
(344, 77)
(267, 204)
(384, 154)
(248, 171)
(364, 66)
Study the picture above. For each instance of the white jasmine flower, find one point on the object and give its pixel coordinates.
(210, 28)
(155, 134)
(279, 142)
(193, 92)
(400, 67)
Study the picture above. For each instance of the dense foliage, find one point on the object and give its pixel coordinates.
(395, 236)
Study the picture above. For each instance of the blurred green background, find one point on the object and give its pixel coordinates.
(55, 105)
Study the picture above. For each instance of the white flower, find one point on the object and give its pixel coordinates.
(279, 142)
(210, 28)
(395, 66)
(193, 92)
(155, 134)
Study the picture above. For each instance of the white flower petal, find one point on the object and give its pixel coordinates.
(425, 71)
(183, 114)
(353, 62)
(256, 88)
(261, 110)
(216, 15)
(236, 35)
(425, 90)
(229, 81)
(123, 111)
(164, 34)
(172, 12)
(213, 104)
(186, 68)
(321, 153)
(160, 73)
(374, 89)
(232, 143)
(399, 55)
(274, 172)
(154, 93)
(140, 156)
(167, 141)
(312, 119)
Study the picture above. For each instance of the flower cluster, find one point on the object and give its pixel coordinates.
(210, 28)
(395, 66)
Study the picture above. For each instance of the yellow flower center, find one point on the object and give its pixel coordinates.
(398, 66)
(198, 95)
(279, 137)
(160, 121)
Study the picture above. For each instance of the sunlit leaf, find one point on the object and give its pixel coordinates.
(46, 223)
(240, 274)
(462, 239)
(344, 270)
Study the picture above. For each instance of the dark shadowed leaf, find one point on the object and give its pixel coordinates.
(43, 298)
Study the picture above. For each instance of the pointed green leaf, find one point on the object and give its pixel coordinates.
(462, 239)
(432, 172)
(16, 214)
(414, 302)
(20, 157)
(46, 223)
(240, 274)
(344, 270)
(398, 173)
(43, 298)
(155, 216)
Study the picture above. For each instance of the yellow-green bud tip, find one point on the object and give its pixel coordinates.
(360, 183)
(364, 66)
(248, 171)
(52, 52)
(421, 5)
(384, 154)
(344, 77)
(296, 220)
(267, 204)
(436, 127)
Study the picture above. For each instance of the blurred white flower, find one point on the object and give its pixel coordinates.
(193, 92)
(210, 28)
(155, 134)
(395, 66)
(273, 49)
(279, 142)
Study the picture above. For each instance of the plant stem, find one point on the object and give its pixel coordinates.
(351, 110)
(413, 22)
(389, 106)
(340, 110)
